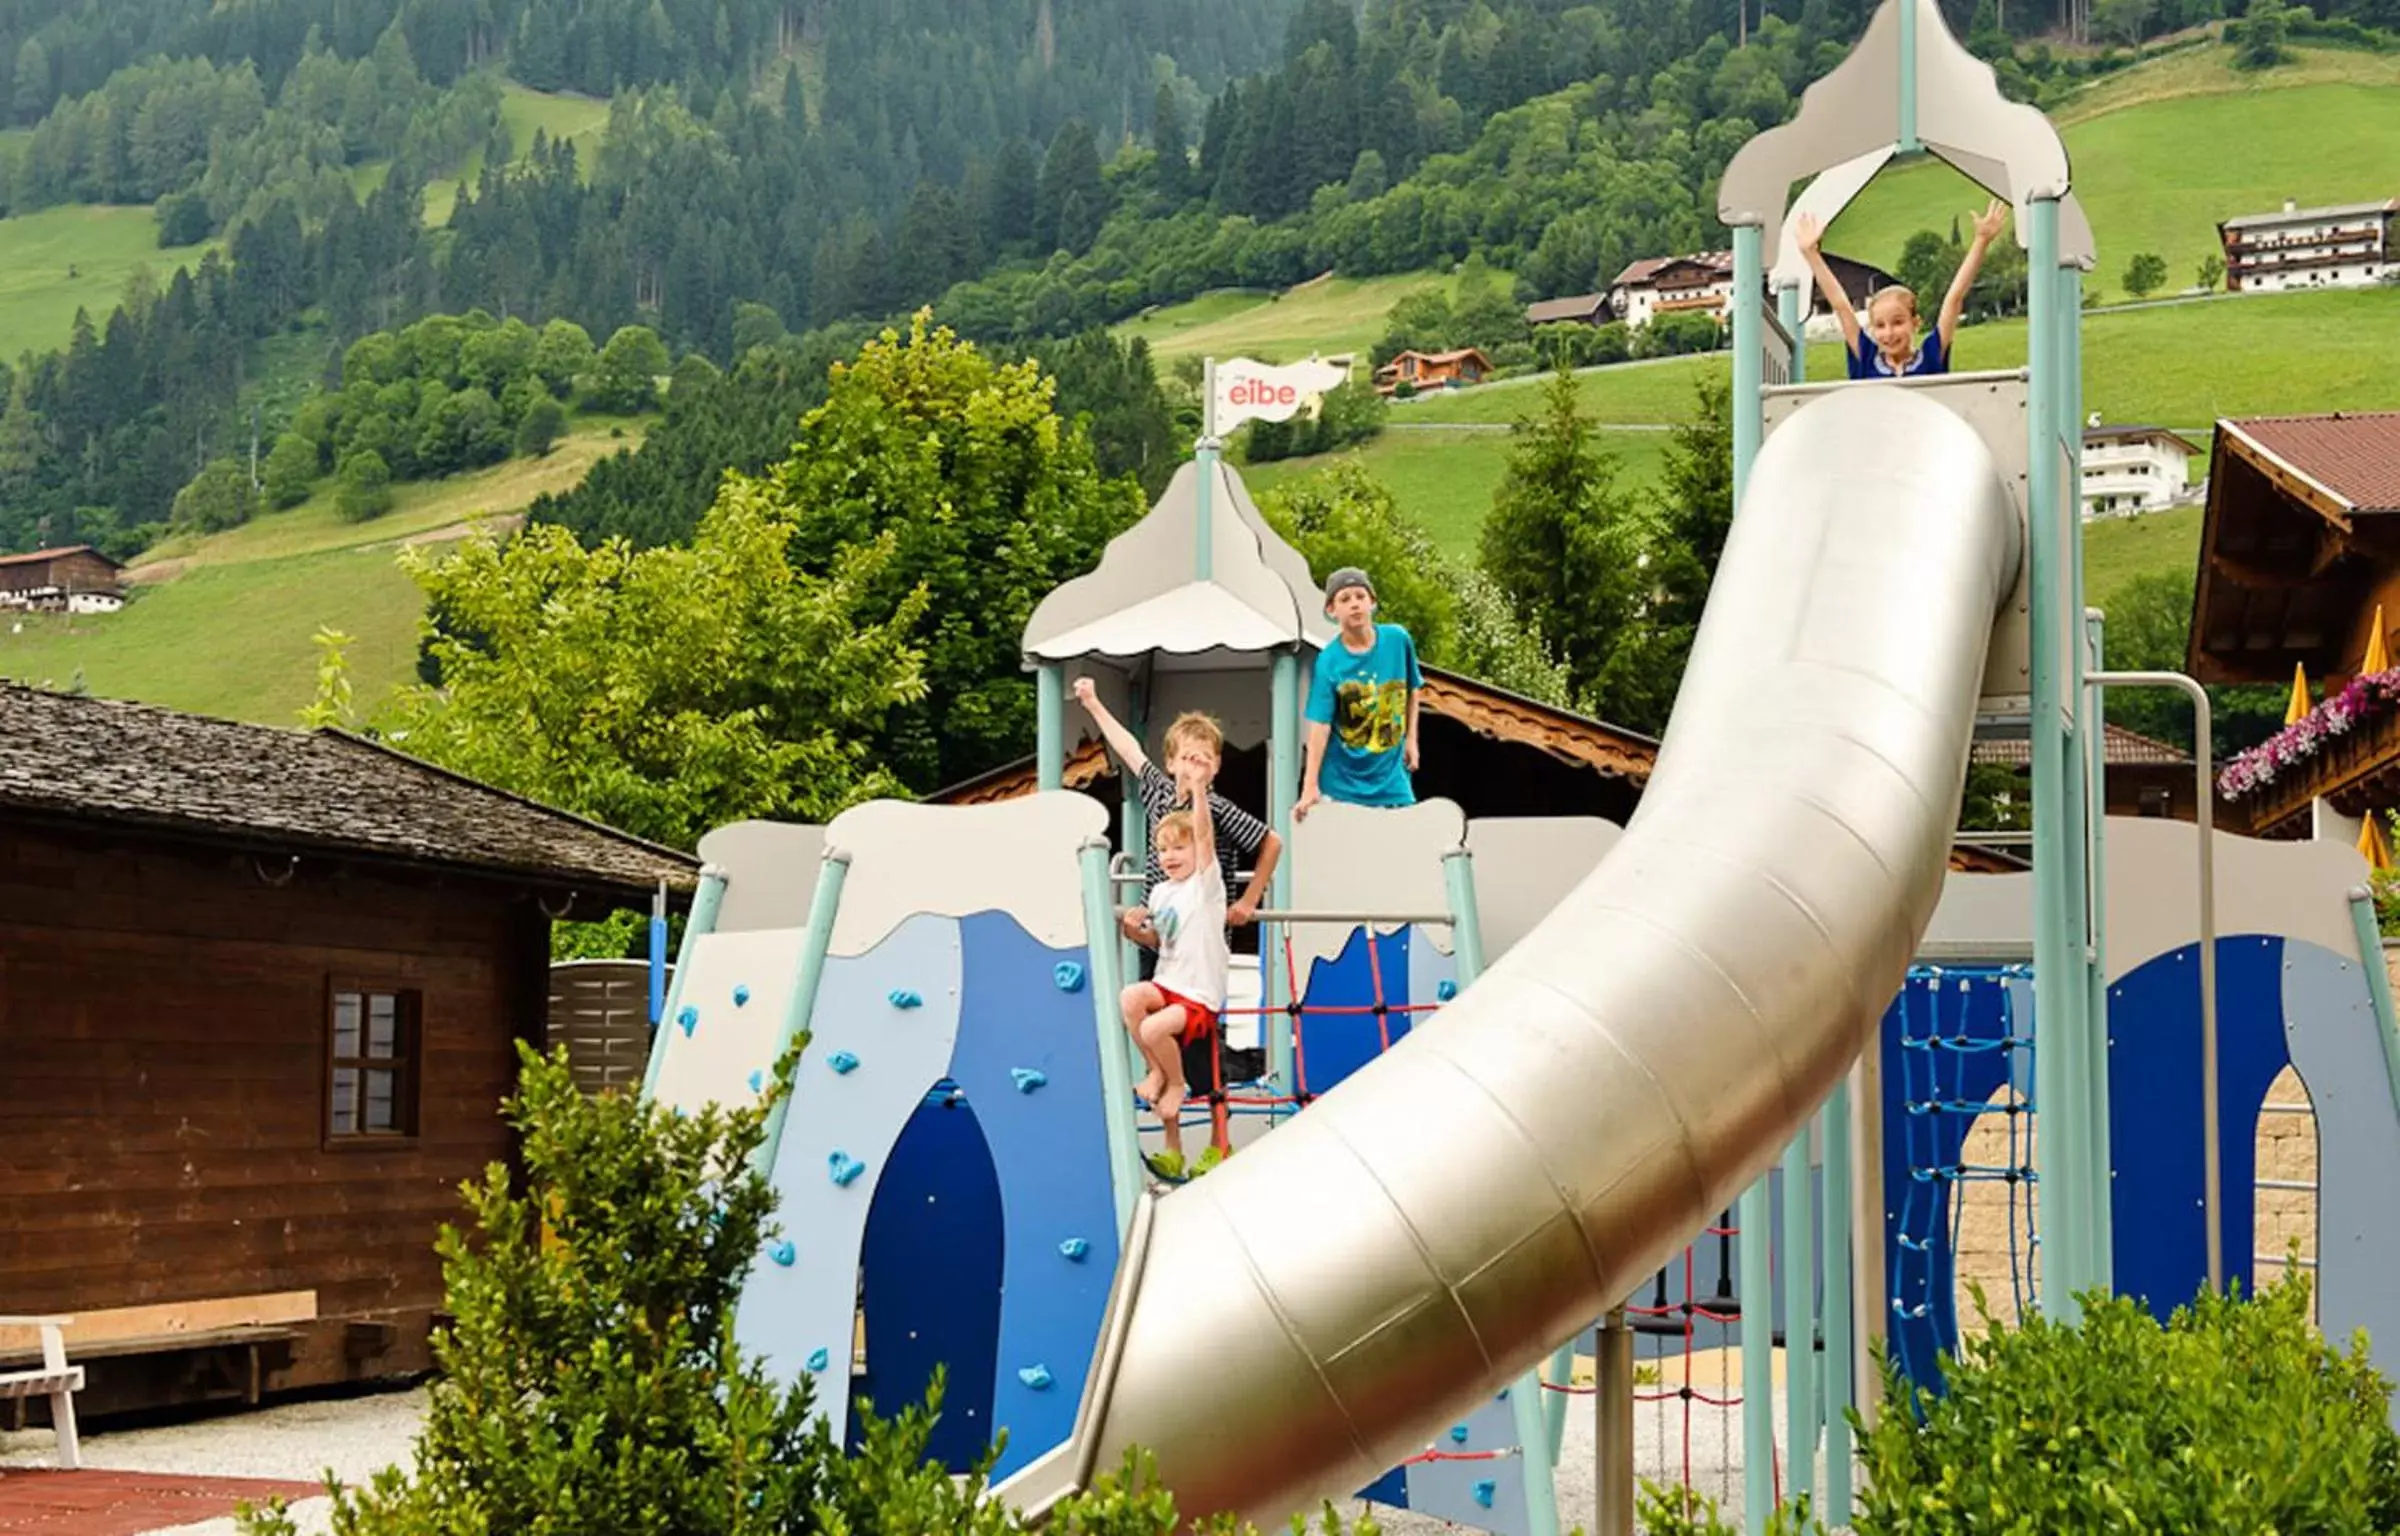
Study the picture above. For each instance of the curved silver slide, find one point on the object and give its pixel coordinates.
(1316, 1310)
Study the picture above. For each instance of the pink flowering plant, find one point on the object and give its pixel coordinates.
(2368, 696)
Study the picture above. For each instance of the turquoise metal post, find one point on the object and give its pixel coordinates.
(1838, 1300)
(2099, 1212)
(1133, 835)
(1909, 143)
(1561, 1370)
(1116, 1072)
(1787, 309)
(1525, 1393)
(1754, 1265)
(701, 922)
(1283, 792)
(1204, 455)
(1749, 418)
(796, 1015)
(2379, 984)
(2058, 925)
(1050, 726)
(1756, 1216)
(1799, 1322)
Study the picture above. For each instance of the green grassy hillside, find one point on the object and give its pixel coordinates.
(225, 625)
(2179, 365)
(59, 259)
(2162, 152)
(1328, 315)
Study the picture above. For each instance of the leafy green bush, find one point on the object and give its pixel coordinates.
(590, 1381)
(2234, 1416)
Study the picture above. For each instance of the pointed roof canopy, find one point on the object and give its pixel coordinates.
(1145, 600)
(1850, 125)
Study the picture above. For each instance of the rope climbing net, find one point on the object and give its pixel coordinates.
(1966, 1053)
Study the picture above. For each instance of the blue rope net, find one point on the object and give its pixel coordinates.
(1959, 1046)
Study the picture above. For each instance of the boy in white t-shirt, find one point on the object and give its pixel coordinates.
(1184, 920)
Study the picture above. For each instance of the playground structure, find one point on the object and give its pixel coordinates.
(1517, 1071)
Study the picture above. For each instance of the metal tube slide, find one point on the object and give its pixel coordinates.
(1316, 1310)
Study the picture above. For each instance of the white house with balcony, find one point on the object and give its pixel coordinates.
(2131, 470)
(2348, 245)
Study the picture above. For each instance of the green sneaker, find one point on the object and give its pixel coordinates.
(1169, 1166)
(1208, 1159)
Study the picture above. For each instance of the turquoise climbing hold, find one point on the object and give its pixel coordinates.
(1458, 1434)
(1069, 976)
(842, 1061)
(1484, 1489)
(843, 1167)
(1036, 1377)
(758, 1082)
(819, 1360)
(1074, 1248)
(689, 1019)
(783, 1253)
(901, 997)
(1445, 989)
(741, 995)
(1028, 1078)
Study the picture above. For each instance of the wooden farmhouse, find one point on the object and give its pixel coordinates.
(1422, 371)
(73, 579)
(260, 998)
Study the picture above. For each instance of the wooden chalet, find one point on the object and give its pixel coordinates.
(260, 997)
(2299, 550)
(74, 576)
(1433, 370)
(2146, 777)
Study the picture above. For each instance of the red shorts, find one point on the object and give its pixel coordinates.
(1198, 1022)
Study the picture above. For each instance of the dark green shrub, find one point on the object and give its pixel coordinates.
(590, 1383)
(2234, 1416)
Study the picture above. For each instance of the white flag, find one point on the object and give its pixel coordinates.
(1250, 390)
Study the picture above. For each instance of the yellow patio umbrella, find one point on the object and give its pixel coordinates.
(2378, 659)
(2370, 843)
(2299, 706)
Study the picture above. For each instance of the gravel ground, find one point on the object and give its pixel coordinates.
(355, 1437)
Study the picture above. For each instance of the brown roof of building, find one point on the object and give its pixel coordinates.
(1454, 355)
(60, 552)
(1718, 262)
(1605, 749)
(2138, 433)
(1582, 306)
(290, 791)
(2126, 749)
(2291, 215)
(2352, 457)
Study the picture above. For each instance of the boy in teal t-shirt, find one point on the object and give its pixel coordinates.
(1362, 705)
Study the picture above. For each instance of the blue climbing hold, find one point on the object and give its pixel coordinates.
(688, 1018)
(758, 1082)
(819, 1360)
(1068, 975)
(842, 1061)
(1458, 1434)
(901, 997)
(1028, 1078)
(1484, 1489)
(1074, 1248)
(783, 1253)
(1036, 1377)
(1445, 989)
(843, 1167)
(741, 995)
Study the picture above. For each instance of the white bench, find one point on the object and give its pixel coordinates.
(53, 1379)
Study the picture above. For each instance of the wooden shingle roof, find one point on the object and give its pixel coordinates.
(86, 760)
